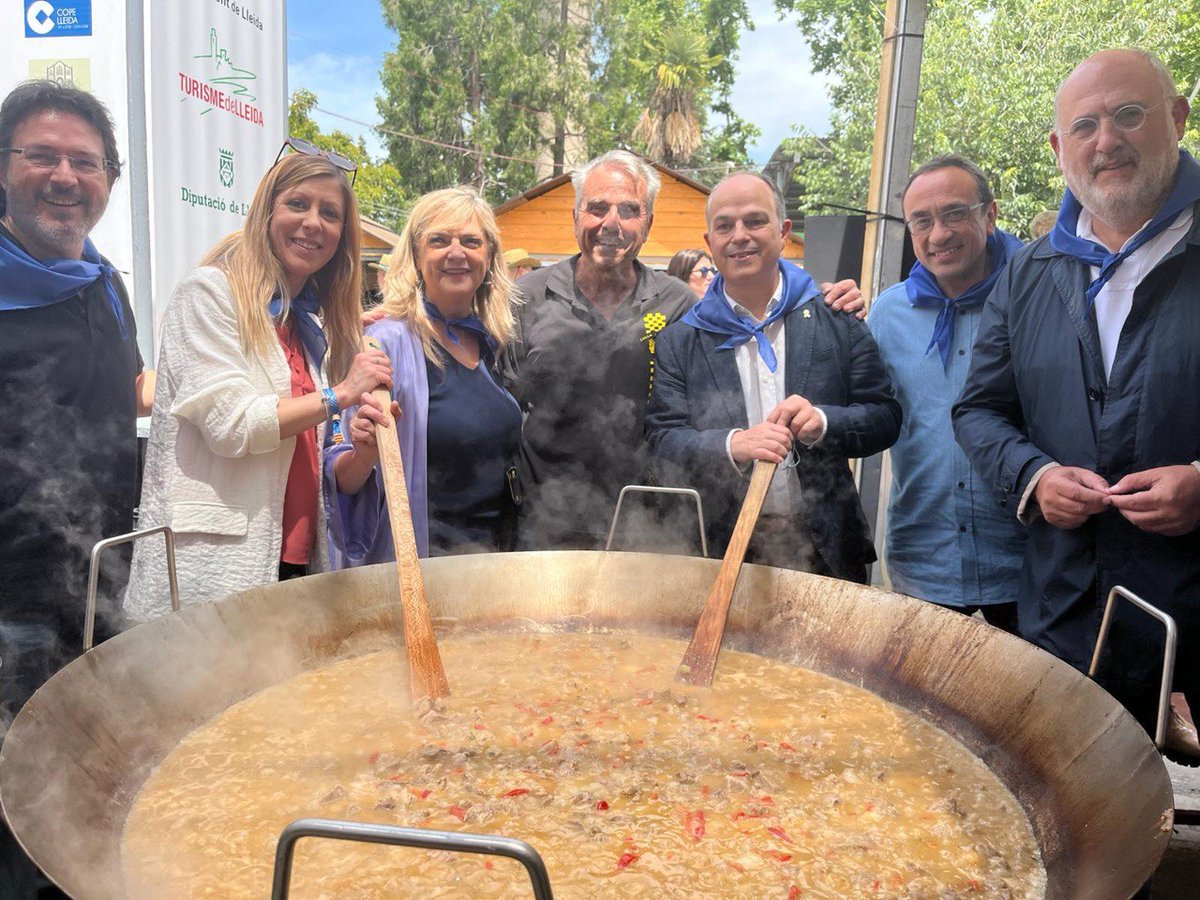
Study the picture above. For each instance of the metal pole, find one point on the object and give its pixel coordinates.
(883, 242)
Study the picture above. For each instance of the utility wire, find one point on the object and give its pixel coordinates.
(471, 151)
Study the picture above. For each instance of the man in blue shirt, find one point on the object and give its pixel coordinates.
(949, 540)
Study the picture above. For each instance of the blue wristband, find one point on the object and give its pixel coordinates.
(332, 408)
(333, 412)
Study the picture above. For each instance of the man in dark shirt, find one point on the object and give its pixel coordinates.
(582, 360)
(70, 381)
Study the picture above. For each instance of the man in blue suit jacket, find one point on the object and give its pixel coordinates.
(760, 369)
(1081, 406)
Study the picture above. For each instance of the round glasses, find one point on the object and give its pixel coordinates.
(1129, 117)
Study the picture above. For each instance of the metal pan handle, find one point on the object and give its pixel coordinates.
(655, 489)
(89, 616)
(396, 835)
(1164, 696)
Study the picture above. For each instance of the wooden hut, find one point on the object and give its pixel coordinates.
(540, 222)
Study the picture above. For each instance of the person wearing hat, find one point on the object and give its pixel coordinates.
(519, 263)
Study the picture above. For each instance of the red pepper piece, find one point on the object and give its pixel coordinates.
(458, 812)
(515, 792)
(780, 833)
(420, 793)
(626, 858)
(777, 854)
(693, 824)
(794, 892)
(373, 758)
(479, 726)
(784, 745)
(737, 867)
(602, 805)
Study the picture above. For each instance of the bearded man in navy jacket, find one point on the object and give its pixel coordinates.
(1081, 405)
(760, 369)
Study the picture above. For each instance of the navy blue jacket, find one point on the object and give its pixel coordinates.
(833, 362)
(1037, 393)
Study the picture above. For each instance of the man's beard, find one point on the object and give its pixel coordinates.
(38, 224)
(1130, 204)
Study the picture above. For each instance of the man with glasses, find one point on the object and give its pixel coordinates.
(1081, 407)
(948, 540)
(71, 383)
(761, 369)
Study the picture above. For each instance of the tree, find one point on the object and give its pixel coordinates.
(670, 125)
(988, 76)
(498, 94)
(377, 185)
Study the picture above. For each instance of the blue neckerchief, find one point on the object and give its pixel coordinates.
(1064, 239)
(29, 283)
(307, 306)
(714, 314)
(469, 323)
(923, 290)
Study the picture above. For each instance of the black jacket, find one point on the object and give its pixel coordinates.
(833, 362)
(1037, 393)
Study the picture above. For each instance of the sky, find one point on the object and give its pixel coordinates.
(335, 49)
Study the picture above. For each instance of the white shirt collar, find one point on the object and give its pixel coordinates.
(776, 299)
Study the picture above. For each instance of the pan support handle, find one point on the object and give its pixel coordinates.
(655, 489)
(1168, 676)
(89, 620)
(400, 836)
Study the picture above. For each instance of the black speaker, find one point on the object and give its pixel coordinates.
(833, 247)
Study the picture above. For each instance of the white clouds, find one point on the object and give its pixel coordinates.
(775, 87)
(345, 84)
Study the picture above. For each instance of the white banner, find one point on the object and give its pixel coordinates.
(216, 87)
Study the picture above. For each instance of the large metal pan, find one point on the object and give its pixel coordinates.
(1095, 790)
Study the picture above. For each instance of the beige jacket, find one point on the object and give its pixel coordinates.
(216, 469)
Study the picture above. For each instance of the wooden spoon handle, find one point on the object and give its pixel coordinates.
(700, 659)
(427, 677)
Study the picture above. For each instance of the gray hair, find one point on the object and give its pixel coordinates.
(953, 161)
(1166, 79)
(632, 165)
(776, 194)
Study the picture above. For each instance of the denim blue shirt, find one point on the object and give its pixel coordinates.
(949, 539)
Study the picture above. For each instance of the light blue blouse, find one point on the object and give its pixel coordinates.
(949, 538)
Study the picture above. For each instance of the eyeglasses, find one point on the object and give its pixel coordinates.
(299, 145)
(1129, 117)
(954, 217)
(80, 163)
(706, 270)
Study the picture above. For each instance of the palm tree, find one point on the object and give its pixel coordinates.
(670, 125)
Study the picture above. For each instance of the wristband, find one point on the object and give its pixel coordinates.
(333, 412)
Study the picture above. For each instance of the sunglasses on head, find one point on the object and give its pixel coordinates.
(299, 145)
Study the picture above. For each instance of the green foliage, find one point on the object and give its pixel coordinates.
(377, 185)
(507, 87)
(988, 76)
(680, 64)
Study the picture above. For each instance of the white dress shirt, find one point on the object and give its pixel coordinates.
(763, 390)
(1115, 299)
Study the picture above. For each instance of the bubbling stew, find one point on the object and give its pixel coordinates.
(774, 782)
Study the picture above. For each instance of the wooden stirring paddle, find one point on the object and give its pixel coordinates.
(701, 657)
(427, 678)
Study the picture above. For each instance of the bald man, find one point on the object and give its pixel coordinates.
(760, 369)
(1081, 405)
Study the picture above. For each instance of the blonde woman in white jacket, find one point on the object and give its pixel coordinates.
(251, 342)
